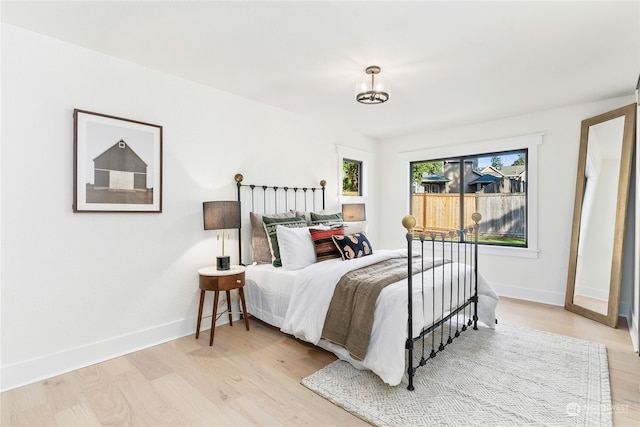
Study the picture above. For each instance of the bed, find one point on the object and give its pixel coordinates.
(433, 290)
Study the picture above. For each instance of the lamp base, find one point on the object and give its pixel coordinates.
(223, 263)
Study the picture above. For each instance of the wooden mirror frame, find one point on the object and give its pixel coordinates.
(628, 137)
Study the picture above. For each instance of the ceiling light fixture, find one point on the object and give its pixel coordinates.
(375, 93)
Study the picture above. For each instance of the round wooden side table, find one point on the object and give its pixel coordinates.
(215, 280)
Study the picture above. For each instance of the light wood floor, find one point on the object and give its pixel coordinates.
(252, 378)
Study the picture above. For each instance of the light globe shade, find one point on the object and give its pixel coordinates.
(379, 85)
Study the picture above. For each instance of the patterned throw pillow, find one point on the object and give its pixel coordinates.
(324, 246)
(260, 247)
(324, 219)
(353, 246)
(270, 226)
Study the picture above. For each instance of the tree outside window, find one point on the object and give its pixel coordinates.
(351, 177)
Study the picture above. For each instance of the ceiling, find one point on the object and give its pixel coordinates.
(448, 63)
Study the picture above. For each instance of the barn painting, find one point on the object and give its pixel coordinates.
(120, 168)
(117, 164)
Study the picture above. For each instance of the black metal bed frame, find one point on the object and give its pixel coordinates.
(279, 194)
(455, 240)
(444, 238)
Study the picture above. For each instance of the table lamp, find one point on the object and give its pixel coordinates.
(221, 215)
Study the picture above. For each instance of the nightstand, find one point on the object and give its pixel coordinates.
(215, 280)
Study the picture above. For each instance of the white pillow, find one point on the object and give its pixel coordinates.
(296, 247)
(355, 227)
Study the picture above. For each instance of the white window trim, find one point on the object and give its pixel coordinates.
(529, 142)
(366, 158)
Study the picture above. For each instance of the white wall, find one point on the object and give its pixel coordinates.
(542, 277)
(80, 288)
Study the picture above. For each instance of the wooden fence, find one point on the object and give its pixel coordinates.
(503, 214)
(436, 210)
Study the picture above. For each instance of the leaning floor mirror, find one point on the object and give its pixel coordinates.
(602, 192)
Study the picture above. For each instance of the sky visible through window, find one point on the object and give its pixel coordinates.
(507, 160)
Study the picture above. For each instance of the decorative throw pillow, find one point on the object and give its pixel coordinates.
(324, 246)
(325, 219)
(353, 246)
(260, 248)
(296, 247)
(270, 226)
(307, 214)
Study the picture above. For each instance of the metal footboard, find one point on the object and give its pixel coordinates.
(459, 313)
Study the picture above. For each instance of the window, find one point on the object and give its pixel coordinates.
(351, 177)
(446, 192)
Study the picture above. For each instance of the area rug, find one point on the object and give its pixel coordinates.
(510, 376)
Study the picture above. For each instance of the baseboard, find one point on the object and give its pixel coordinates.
(528, 294)
(50, 365)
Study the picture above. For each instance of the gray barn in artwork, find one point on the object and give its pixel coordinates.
(120, 168)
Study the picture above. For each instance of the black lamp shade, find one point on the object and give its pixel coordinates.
(353, 212)
(221, 215)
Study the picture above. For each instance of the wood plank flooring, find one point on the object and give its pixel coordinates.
(252, 378)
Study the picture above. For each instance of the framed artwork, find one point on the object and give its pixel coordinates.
(117, 164)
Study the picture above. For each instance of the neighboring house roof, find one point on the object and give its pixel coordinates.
(120, 157)
(516, 170)
(492, 171)
(508, 171)
(477, 172)
(485, 179)
(434, 179)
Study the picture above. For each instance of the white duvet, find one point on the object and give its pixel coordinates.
(313, 288)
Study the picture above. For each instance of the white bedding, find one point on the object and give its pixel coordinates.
(302, 313)
(267, 291)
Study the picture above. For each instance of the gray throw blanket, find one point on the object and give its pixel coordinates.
(350, 316)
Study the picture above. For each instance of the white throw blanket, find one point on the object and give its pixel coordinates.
(313, 289)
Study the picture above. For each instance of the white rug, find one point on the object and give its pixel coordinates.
(511, 376)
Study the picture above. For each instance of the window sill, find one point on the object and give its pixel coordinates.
(508, 251)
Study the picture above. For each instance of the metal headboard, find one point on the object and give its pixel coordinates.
(267, 199)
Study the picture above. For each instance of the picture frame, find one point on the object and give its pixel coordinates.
(117, 164)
